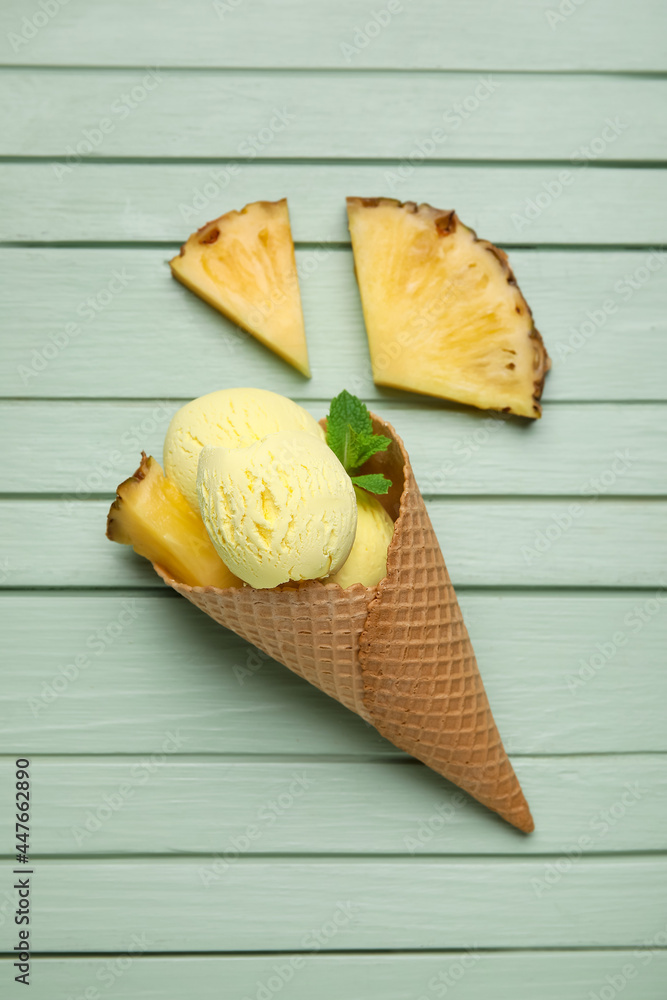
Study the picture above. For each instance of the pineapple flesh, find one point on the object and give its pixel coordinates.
(150, 514)
(443, 312)
(243, 265)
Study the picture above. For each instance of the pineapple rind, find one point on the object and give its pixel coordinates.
(243, 264)
(408, 264)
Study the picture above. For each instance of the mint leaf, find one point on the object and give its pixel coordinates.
(349, 409)
(376, 482)
(350, 436)
(346, 413)
(367, 447)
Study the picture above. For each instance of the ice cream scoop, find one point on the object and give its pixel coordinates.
(229, 418)
(367, 561)
(280, 509)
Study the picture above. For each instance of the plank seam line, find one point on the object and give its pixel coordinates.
(104, 859)
(439, 71)
(340, 952)
(336, 247)
(280, 759)
(482, 162)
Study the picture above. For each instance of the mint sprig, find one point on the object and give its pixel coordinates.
(376, 482)
(351, 437)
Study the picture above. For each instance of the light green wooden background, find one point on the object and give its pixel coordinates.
(370, 878)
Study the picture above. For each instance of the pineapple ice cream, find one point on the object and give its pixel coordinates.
(229, 418)
(257, 493)
(278, 510)
(367, 561)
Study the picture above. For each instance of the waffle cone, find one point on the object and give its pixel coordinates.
(397, 654)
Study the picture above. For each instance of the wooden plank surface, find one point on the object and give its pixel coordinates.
(549, 975)
(115, 673)
(85, 448)
(146, 804)
(406, 34)
(246, 115)
(368, 903)
(114, 323)
(575, 542)
(134, 202)
(157, 738)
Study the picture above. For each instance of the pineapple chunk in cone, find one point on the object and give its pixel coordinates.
(243, 265)
(152, 515)
(443, 312)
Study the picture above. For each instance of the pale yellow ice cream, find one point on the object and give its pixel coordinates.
(280, 509)
(229, 418)
(367, 561)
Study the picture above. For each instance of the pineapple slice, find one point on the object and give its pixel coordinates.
(152, 516)
(243, 264)
(443, 312)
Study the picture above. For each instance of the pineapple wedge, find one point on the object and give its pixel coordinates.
(443, 312)
(152, 516)
(243, 264)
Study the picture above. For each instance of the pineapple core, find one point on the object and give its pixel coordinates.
(243, 265)
(150, 514)
(443, 312)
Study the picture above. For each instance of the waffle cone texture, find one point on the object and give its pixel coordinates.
(397, 654)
